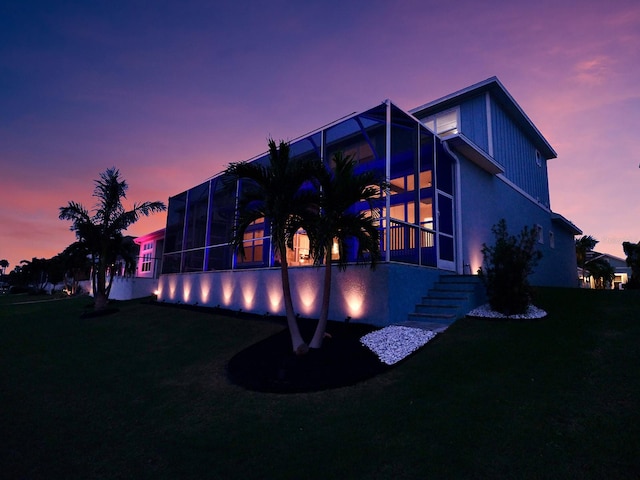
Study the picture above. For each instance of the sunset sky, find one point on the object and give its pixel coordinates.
(170, 92)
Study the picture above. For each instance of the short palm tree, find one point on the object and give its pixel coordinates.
(339, 220)
(102, 231)
(602, 272)
(584, 244)
(276, 193)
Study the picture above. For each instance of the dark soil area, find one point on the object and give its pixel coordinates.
(99, 313)
(271, 366)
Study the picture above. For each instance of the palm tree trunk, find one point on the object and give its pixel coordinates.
(297, 342)
(100, 296)
(318, 336)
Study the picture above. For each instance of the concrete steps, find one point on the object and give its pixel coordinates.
(452, 297)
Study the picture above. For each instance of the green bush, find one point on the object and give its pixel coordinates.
(506, 268)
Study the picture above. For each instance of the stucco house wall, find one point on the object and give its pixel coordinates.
(359, 294)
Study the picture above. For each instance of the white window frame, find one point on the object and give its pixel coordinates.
(431, 122)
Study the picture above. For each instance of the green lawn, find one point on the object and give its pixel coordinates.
(143, 394)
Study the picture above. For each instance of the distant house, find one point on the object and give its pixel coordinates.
(456, 166)
(141, 280)
(149, 263)
(622, 271)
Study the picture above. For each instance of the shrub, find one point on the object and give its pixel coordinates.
(506, 268)
(632, 251)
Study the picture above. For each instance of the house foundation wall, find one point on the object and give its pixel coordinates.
(378, 297)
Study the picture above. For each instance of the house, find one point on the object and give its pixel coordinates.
(455, 166)
(150, 246)
(141, 280)
(621, 269)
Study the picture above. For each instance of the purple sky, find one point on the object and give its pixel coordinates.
(170, 92)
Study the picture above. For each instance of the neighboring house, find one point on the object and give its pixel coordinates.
(456, 166)
(142, 281)
(622, 271)
(150, 254)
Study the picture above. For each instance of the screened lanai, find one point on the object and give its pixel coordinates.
(416, 213)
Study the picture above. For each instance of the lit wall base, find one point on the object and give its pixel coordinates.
(379, 297)
(126, 288)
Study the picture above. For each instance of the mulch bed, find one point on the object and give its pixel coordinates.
(271, 366)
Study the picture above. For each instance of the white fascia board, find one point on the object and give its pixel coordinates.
(471, 151)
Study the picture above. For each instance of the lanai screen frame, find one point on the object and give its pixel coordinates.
(384, 138)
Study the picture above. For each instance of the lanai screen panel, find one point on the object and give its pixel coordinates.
(403, 166)
(425, 210)
(200, 221)
(174, 233)
(196, 227)
(221, 215)
(364, 138)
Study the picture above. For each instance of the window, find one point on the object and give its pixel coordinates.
(552, 240)
(540, 233)
(252, 243)
(146, 262)
(538, 158)
(443, 123)
(300, 255)
(147, 257)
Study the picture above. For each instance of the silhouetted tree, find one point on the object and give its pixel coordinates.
(340, 220)
(275, 192)
(601, 271)
(102, 231)
(4, 264)
(632, 251)
(584, 245)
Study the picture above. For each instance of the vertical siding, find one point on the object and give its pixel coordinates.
(517, 154)
(473, 121)
(485, 200)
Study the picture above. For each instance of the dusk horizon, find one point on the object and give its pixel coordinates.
(171, 96)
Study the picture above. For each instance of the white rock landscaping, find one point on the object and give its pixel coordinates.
(393, 343)
(484, 311)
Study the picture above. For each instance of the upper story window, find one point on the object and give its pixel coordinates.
(538, 158)
(444, 123)
(540, 232)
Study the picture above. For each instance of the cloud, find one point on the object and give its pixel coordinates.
(593, 71)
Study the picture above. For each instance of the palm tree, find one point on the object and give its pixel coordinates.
(601, 271)
(339, 221)
(102, 230)
(4, 263)
(276, 193)
(584, 244)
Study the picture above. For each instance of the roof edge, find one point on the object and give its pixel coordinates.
(494, 85)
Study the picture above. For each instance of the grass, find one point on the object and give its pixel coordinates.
(143, 393)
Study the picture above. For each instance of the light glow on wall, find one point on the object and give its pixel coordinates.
(475, 259)
(274, 292)
(227, 290)
(307, 294)
(173, 285)
(249, 285)
(205, 289)
(354, 295)
(186, 290)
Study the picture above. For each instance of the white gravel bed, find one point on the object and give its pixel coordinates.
(393, 343)
(485, 311)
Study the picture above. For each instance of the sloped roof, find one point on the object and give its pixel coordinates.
(503, 97)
